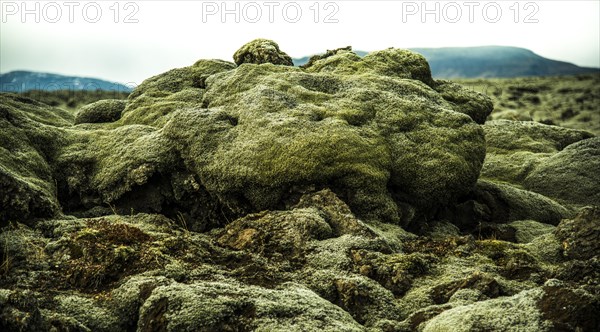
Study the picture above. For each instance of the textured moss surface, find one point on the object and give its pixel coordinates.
(107, 110)
(286, 270)
(566, 101)
(572, 175)
(376, 130)
(30, 134)
(516, 148)
(343, 196)
(237, 140)
(262, 51)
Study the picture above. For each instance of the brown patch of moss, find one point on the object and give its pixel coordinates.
(104, 252)
(570, 310)
(482, 282)
(515, 263)
(394, 272)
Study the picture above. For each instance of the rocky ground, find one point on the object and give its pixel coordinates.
(354, 194)
(566, 101)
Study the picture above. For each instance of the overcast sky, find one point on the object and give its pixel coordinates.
(151, 37)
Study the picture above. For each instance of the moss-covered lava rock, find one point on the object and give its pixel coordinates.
(341, 196)
(571, 175)
(516, 148)
(107, 110)
(262, 51)
(30, 135)
(235, 140)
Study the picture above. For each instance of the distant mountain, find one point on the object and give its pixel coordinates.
(495, 61)
(21, 81)
(489, 61)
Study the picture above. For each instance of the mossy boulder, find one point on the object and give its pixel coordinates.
(152, 101)
(209, 306)
(516, 148)
(580, 235)
(99, 166)
(107, 110)
(491, 205)
(507, 203)
(235, 140)
(571, 175)
(390, 62)
(569, 308)
(30, 135)
(553, 307)
(519, 312)
(327, 54)
(476, 105)
(262, 51)
(528, 230)
(276, 233)
(394, 272)
(387, 135)
(289, 233)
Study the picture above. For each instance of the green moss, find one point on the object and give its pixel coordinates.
(527, 230)
(394, 272)
(107, 163)
(108, 110)
(547, 248)
(158, 96)
(578, 235)
(530, 136)
(181, 78)
(565, 101)
(217, 306)
(30, 135)
(390, 62)
(88, 313)
(516, 148)
(507, 203)
(340, 126)
(515, 262)
(20, 109)
(518, 312)
(281, 233)
(366, 300)
(262, 51)
(476, 105)
(571, 175)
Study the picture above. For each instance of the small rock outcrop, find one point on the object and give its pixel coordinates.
(262, 51)
(516, 148)
(580, 236)
(108, 110)
(571, 175)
